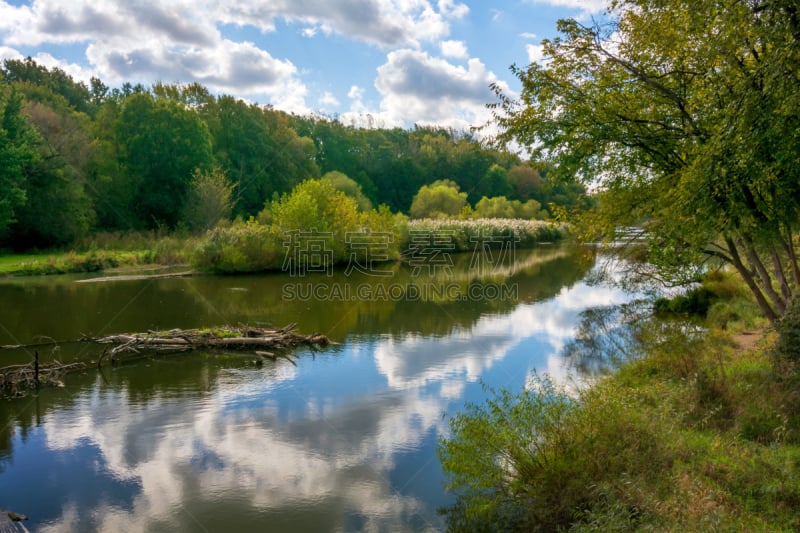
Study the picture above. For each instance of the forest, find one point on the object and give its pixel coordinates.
(78, 159)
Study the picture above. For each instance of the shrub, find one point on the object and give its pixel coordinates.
(530, 461)
(440, 199)
(243, 247)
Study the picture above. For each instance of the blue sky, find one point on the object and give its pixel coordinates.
(382, 62)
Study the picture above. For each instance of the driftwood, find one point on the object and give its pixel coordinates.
(10, 521)
(138, 277)
(15, 380)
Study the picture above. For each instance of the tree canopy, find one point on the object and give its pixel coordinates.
(79, 158)
(686, 116)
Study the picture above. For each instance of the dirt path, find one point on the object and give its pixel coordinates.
(748, 340)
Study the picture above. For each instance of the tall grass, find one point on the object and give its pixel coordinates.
(465, 233)
(698, 435)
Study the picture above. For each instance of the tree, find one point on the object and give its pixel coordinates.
(686, 115)
(348, 186)
(496, 207)
(28, 72)
(525, 182)
(258, 150)
(440, 199)
(210, 200)
(17, 156)
(58, 209)
(161, 143)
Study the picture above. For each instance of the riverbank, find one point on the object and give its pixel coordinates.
(254, 247)
(103, 252)
(700, 433)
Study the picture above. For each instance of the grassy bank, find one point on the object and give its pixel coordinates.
(702, 433)
(102, 252)
(255, 247)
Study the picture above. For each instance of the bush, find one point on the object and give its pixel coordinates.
(440, 199)
(313, 210)
(502, 207)
(531, 461)
(242, 247)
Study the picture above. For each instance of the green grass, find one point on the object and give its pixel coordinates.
(698, 435)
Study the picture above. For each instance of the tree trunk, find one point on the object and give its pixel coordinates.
(780, 275)
(770, 313)
(763, 274)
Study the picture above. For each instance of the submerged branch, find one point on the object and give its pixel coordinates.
(16, 380)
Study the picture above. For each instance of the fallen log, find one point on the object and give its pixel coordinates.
(16, 380)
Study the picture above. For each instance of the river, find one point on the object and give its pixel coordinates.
(342, 439)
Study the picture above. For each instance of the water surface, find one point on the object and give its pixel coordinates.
(340, 440)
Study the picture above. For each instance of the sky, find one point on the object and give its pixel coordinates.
(378, 63)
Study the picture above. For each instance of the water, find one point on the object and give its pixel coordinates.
(341, 440)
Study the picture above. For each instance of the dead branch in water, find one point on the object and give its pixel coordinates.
(245, 338)
(15, 380)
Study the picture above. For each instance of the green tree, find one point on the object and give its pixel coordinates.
(348, 186)
(29, 73)
(316, 206)
(496, 207)
(58, 209)
(258, 150)
(17, 156)
(161, 143)
(686, 115)
(210, 200)
(440, 199)
(525, 182)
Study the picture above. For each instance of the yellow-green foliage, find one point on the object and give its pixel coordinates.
(697, 436)
(242, 247)
(502, 207)
(314, 209)
(440, 199)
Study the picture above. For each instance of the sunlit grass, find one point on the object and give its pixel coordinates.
(700, 434)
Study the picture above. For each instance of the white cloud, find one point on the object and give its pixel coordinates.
(418, 88)
(9, 53)
(451, 9)
(328, 100)
(356, 92)
(385, 23)
(586, 7)
(454, 49)
(535, 53)
(181, 41)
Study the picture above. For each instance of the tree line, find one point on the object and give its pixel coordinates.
(78, 158)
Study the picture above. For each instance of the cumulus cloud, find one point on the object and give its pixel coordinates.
(455, 49)
(452, 9)
(327, 100)
(416, 87)
(586, 7)
(182, 41)
(381, 22)
(535, 53)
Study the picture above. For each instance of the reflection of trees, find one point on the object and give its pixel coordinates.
(62, 309)
(610, 335)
